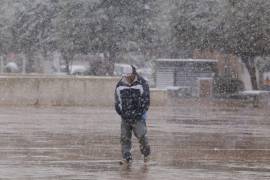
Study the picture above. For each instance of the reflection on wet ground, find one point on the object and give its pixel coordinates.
(188, 142)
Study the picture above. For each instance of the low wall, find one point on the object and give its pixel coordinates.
(63, 91)
(159, 97)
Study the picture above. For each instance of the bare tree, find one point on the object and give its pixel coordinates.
(237, 27)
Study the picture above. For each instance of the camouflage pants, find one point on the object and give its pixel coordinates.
(138, 127)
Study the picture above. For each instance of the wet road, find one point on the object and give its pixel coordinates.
(192, 142)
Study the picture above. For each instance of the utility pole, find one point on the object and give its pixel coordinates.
(1, 65)
(23, 64)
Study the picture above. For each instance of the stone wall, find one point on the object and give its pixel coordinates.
(63, 91)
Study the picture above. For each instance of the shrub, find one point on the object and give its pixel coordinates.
(227, 86)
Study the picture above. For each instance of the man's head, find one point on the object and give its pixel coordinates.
(129, 73)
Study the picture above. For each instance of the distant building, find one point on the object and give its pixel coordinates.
(266, 80)
(186, 73)
(228, 65)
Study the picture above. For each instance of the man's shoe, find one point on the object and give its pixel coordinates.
(126, 161)
(146, 159)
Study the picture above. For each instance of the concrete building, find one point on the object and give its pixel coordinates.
(187, 74)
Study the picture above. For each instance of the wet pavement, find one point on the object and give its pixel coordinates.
(191, 142)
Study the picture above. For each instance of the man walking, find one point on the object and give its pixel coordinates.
(132, 100)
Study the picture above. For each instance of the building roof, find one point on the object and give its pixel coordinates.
(187, 60)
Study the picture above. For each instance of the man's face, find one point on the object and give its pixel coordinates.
(130, 78)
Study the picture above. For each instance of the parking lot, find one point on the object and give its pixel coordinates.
(188, 142)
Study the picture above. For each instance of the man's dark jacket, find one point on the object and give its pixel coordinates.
(132, 100)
